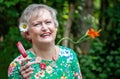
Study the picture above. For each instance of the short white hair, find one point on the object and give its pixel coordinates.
(30, 10)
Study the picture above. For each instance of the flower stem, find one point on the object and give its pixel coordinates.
(74, 42)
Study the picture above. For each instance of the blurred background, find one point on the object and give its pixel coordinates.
(99, 58)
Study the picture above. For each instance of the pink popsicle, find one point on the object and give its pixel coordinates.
(21, 49)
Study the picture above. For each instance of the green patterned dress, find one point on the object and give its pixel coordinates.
(66, 67)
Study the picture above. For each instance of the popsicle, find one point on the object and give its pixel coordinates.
(21, 49)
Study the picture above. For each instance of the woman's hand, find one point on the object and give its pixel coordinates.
(25, 68)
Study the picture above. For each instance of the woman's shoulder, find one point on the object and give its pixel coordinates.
(14, 65)
(16, 60)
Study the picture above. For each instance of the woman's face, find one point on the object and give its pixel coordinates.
(42, 28)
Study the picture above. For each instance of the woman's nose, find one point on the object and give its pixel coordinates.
(44, 26)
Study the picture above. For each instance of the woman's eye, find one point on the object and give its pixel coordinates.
(37, 24)
(48, 22)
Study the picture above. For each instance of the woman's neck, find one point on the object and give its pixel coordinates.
(44, 51)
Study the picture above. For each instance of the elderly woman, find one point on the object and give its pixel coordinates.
(45, 60)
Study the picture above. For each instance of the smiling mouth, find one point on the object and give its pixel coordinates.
(45, 34)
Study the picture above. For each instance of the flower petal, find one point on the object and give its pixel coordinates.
(23, 27)
(92, 33)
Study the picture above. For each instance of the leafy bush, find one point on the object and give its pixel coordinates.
(9, 50)
(99, 64)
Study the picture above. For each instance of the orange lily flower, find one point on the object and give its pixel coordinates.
(92, 33)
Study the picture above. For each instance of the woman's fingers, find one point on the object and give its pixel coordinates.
(26, 72)
(26, 69)
(25, 60)
(29, 70)
(27, 75)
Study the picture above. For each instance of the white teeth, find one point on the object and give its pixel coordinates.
(45, 34)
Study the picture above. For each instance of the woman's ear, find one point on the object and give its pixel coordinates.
(27, 36)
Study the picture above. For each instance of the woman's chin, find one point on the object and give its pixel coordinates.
(47, 41)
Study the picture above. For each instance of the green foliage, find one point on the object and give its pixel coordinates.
(9, 50)
(103, 60)
(100, 64)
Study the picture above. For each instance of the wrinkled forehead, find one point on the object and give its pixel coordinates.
(39, 12)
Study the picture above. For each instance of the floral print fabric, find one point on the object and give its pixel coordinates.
(66, 67)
